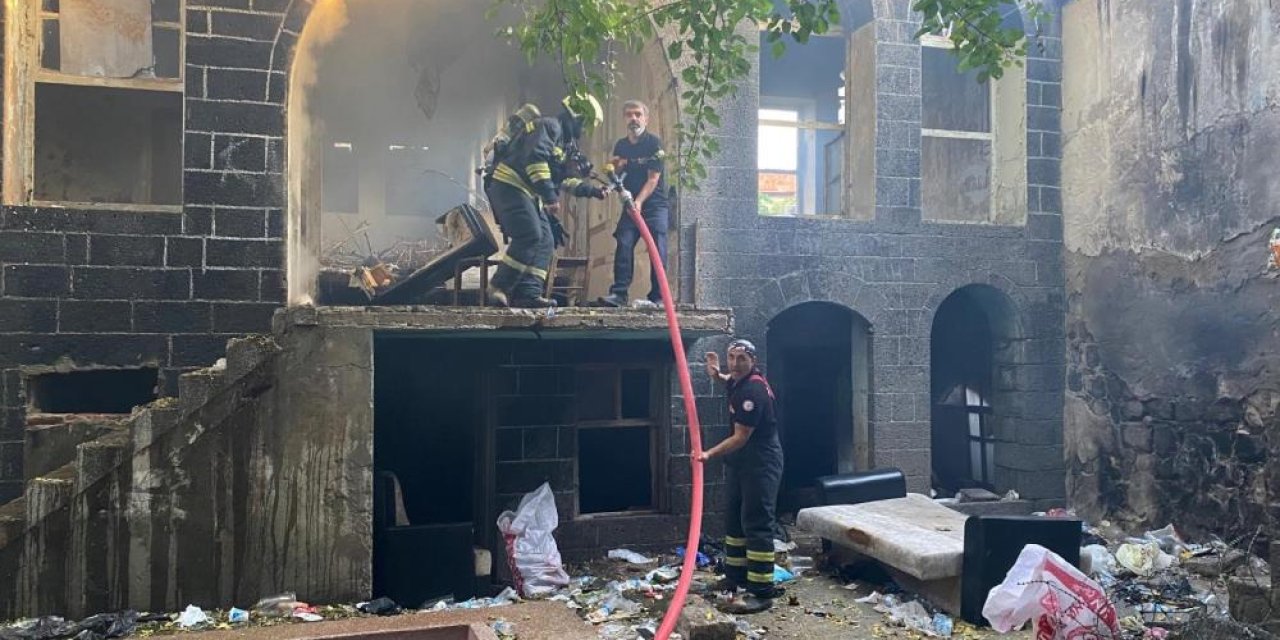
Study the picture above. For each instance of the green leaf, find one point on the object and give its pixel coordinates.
(779, 47)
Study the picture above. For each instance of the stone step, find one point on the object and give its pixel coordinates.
(196, 387)
(97, 572)
(42, 577)
(50, 440)
(248, 353)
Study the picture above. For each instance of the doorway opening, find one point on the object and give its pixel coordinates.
(971, 332)
(819, 365)
(429, 417)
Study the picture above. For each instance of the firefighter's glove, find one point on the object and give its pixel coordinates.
(557, 231)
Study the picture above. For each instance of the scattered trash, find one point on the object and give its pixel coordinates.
(44, 628)
(1044, 587)
(630, 556)
(278, 606)
(531, 549)
(873, 598)
(800, 565)
(781, 575)
(663, 574)
(380, 607)
(784, 547)
(613, 607)
(1168, 540)
(503, 629)
(943, 625)
(506, 597)
(192, 616)
(307, 616)
(236, 616)
(1143, 559)
(702, 559)
(95, 627)
(913, 615)
(1096, 561)
(745, 630)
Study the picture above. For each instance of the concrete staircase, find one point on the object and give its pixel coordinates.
(125, 523)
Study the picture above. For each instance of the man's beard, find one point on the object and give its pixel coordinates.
(635, 128)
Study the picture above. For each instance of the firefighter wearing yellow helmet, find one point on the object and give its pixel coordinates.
(523, 184)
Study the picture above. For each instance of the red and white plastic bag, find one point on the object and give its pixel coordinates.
(531, 549)
(1063, 603)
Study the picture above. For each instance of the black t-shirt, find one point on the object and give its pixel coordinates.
(642, 157)
(751, 405)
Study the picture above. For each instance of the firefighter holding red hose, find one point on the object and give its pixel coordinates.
(753, 456)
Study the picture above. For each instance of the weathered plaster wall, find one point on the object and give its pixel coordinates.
(1170, 130)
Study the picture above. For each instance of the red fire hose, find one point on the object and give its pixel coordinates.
(695, 434)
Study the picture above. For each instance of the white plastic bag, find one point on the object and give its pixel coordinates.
(531, 549)
(1064, 603)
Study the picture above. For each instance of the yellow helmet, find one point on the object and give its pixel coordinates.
(585, 107)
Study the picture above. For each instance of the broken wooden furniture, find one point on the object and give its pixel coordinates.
(929, 548)
(567, 290)
(414, 287)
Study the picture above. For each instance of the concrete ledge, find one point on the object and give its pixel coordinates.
(532, 621)
(613, 323)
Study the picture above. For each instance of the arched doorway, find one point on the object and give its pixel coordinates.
(819, 362)
(970, 342)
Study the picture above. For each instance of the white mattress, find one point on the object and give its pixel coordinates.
(913, 534)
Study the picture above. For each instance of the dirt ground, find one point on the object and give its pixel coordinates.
(824, 608)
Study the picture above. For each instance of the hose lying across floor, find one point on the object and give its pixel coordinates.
(695, 434)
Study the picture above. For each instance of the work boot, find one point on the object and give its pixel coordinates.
(725, 584)
(532, 302)
(498, 298)
(745, 604)
(613, 300)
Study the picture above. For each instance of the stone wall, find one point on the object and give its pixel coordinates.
(895, 269)
(1169, 137)
(100, 289)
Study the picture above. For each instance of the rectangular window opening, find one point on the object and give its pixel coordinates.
(801, 121)
(615, 469)
(956, 142)
(93, 391)
(340, 179)
(106, 145)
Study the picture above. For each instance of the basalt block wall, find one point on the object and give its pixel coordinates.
(1169, 137)
(125, 289)
(121, 289)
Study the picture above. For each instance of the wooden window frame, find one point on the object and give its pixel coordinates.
(23, 48)
(658, 423)
(821, 183)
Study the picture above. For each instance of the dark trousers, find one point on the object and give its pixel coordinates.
(523, 271)
(628, 235)
(749, 521)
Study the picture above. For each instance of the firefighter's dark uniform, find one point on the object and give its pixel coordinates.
(755, 472)
(529, 175)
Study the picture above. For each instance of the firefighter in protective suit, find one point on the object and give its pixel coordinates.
(523, 185)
